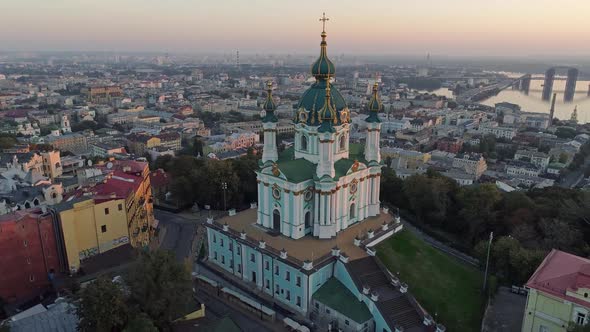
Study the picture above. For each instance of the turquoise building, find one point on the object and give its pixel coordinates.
(309, 243)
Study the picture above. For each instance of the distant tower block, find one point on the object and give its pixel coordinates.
(238, 59)
(548, 85)
(588, 90)
(570, 84)
(552, 110)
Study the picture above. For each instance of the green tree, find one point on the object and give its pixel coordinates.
(573, 327)
(161, 287)
(429, 197)
(477, 208)
(140, 323)
(102, 306)
(7, 142)
(198, 147)
(392, 188)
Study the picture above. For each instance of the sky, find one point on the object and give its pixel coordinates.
(369, 27)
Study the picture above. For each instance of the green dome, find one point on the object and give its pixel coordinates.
(323, 68)
(314, 99)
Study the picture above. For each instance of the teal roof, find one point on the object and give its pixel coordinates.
(336, 296)
(341, 167)
(314, 99)
(323, 68)
(297, 170)
(226, 324)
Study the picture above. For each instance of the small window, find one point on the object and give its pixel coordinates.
(239, 268)
(252, 258)
(29, 260)
(327, 310)
(346, 322)
(106, 211)
(25, 243)
(298, 301)
(103, 228)
(277, 289)
(239, 249)
(317, 305)
(215, 255)
(120, 207)
(222, 259)
(221, 242)
(267, 284)
(287, 275)
(31, 278)
(276, 269)
(214, 238)
(298, 281)
(288, 297)
(581, 319)
(266, 265)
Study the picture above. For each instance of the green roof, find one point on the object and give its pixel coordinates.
(336, 296)
(341, 167)
(356, 151)
(287, 154)
(314, 99)
(297, 170)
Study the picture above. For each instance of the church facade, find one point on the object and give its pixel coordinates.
(323, 184)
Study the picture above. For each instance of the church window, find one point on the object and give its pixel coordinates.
(276, 193)
(307, 219)
(303, 142)
(342, 142)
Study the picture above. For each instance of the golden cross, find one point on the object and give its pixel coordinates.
(324, 19)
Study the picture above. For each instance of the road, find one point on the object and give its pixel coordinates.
(178, 231)
(573, 178)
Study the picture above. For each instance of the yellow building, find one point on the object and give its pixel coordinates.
(109, 214)
(559, 294)
(140, 144)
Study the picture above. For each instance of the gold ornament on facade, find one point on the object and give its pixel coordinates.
(355, 166)
(275, 170)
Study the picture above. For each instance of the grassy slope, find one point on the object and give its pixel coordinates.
(439, 282)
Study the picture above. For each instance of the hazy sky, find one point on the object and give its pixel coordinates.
(449, 27)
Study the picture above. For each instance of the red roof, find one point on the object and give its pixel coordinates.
(561, 272)
(159, 178)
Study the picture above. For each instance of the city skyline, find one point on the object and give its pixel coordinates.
(457, 27)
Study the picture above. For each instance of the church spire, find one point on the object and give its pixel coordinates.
(269, 105)
(374, 105)
(323, 68)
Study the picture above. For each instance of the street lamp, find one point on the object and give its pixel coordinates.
(224, 187)
(485, 276)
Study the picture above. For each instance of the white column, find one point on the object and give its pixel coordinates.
(287, 231)
(267, 207)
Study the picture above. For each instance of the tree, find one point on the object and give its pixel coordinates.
(197, 147)
(573, 327)
(102, 306)
(477, 208)
(392, 188)
(161, 287)
(141, 323)
(429, 197)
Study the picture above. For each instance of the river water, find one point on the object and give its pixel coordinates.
(533, 102)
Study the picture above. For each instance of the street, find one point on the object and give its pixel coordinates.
(178, 232)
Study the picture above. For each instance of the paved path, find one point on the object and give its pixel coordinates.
(505, 313)
(178, 233)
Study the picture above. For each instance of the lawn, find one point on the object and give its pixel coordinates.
(441, 284)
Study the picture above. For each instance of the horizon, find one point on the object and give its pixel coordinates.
(456, 28)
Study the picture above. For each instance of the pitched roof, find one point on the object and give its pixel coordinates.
(561, 272)
(336, 296)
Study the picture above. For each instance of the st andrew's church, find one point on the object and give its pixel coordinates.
(309, 244)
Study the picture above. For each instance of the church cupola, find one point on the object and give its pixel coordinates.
(374, 105)
(269, 107)
(372, 149)
(270, 153)
(323, 68)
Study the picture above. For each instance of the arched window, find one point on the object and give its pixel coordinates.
(303, 142)
(352, 213)
(54, 195)
(307, 219)
(36, 201)
(57, 165)
(27, 205)
(342, 142)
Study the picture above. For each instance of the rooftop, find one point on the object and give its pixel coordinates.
(308, 247)
(561, 272)
(336, 296)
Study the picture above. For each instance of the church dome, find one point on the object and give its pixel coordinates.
(269, 106)
(314, 98)
(374, 105)
(323, 68)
